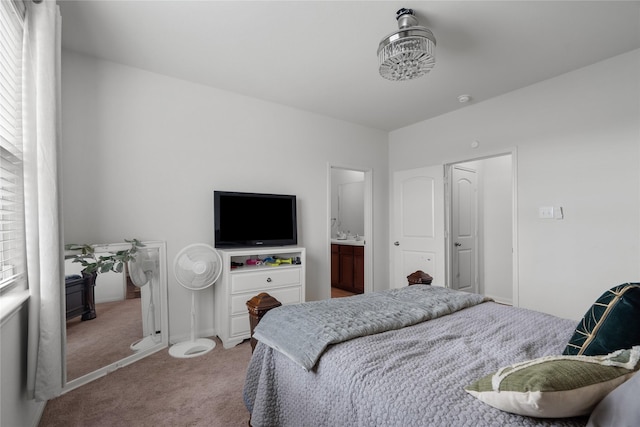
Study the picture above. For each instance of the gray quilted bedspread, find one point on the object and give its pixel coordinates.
(303, 331)
(414, 376)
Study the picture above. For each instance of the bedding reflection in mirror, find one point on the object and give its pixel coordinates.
(126, 320)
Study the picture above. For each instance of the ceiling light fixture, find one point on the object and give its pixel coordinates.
(409, 52)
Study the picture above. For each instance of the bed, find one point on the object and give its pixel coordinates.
(414, 374)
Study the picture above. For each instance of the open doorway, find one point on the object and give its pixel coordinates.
(350, 231)
(480, 217)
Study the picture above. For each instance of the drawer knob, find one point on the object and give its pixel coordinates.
(268, 279)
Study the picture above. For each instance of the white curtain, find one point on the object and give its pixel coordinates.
(44, 247)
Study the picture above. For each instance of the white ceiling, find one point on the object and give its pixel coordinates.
(320, 56)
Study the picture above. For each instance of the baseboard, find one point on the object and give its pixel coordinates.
(38, 413)
(500, 300)
(106, 370)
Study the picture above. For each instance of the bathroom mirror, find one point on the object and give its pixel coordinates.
(347, 202)
(120, 320)
(351, 206)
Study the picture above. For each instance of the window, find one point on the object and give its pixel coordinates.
(12, 236)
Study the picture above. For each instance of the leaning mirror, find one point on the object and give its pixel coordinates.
(118, 319)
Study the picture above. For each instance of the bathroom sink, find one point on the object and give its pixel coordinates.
(352, 241)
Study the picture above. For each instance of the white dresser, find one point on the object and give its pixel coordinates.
(238, 284)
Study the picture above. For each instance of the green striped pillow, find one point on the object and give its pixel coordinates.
(556, 386)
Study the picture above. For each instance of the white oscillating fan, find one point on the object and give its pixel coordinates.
(196, 267)
(141, 270)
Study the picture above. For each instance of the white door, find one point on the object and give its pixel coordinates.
(464, 229)
(418, 224)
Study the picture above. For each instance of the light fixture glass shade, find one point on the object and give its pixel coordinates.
(409, 52)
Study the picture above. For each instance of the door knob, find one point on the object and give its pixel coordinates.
(457, 244)
(396, 243)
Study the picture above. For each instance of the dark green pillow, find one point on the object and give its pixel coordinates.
(612, 323)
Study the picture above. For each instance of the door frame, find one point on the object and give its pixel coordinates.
(368, 223)
(514, 218)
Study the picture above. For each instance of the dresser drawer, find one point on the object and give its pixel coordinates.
(284, 295)
(239, 326)
(264, 279)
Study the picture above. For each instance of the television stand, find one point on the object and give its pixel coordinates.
(239, 283)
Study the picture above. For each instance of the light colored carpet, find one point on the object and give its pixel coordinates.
(160, 391)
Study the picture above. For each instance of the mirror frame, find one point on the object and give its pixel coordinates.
(164, 320)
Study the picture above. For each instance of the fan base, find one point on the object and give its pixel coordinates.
(144, 343)
(192, 348)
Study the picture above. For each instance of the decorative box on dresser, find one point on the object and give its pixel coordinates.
(239, 283)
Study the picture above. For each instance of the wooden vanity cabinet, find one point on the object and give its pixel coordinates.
(347, 267)
(335, 265)
(358, 269)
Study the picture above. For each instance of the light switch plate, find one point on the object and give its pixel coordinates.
(545, 212)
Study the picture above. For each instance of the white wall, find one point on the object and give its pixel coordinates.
(578, 146)
(16, 409)
(142, 154)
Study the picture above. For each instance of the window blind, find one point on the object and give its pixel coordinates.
(12, 235)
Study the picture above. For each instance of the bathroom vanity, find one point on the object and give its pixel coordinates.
(347, 265)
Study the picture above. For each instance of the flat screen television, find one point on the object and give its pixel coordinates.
(254, 219)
